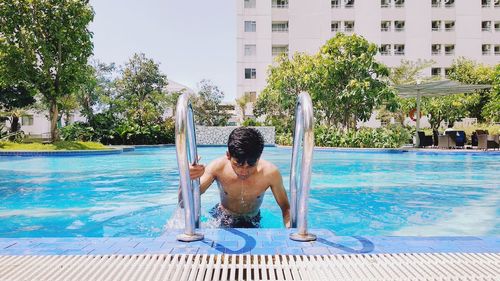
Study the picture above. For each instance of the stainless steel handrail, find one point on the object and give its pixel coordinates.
(304, 135)
(185, 137)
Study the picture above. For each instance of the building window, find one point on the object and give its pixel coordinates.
(399, 49)
(250, 50)
(335, 26)
(497, 25)
(399, 25)
(349, 4)
(447, 72)
(486, 49)
(399, 3)
(348, 26)
(436, 71)
(449, 26)
(485, 3)
(436, 25)
(280, 26)
(278, 50)
(250, 73)
(385, 26)
(436, 3)
(385, 49)
(385, 3)
(335, 4)
(486, 25)
(497, 50)
(250, 26)
(249, 4)
(436, 49)
(27, 120)
(449, 3)
(449, 49)
(282, 4)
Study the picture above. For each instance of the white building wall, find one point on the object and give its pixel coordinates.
(309, 28)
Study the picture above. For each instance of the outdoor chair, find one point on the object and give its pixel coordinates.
(424, 140)
(446, 141)
(435, 136)
(460, 138)
(485, 141)
(474, 141)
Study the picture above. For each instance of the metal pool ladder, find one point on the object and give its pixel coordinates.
(304, 135)
(185, 138)
(185, 143)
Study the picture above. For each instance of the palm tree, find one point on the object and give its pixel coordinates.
(242, 104)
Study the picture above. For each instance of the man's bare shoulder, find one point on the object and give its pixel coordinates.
(218, 164)
(268, 168)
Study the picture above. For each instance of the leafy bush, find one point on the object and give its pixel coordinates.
(249, 122)
(123, 132)
(325, 136)
(78, 131)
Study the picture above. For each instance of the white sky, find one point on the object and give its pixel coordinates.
(191, 40)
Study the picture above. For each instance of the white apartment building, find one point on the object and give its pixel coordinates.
(441, 30)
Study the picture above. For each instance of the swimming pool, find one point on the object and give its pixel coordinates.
(353, 193)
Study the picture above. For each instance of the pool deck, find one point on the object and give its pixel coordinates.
(249, 241)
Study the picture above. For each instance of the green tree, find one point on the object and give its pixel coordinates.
(470, 72)
(140, 91)
(207, 105)
(450, 108)
(351, 82)
(491, 110)
(286, 80)
(46, 44)
(98, 90)
(344, 80)
(13, 101)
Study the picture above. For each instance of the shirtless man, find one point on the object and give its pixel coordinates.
(242, 178)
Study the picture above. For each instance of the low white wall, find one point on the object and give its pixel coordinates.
(219, 135)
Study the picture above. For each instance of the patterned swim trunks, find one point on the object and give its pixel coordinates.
(227, 220)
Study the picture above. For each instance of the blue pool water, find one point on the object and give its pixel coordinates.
(353, 193)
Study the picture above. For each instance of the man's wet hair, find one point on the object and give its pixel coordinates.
(245, 145)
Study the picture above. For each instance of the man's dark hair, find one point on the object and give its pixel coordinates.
(246, 145)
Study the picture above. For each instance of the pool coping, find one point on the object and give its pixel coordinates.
(250, 241)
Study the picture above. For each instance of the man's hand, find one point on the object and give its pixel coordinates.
(196, 171)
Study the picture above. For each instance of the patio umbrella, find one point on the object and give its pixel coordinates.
(434, 89)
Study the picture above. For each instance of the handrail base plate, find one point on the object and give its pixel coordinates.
(190, 237)
(302, 237)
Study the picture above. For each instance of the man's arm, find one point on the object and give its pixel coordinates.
(280, 195)
(206, 176)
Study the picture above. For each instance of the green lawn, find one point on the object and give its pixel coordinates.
(61, 145)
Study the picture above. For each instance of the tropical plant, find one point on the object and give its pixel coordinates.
(45, 44)
(242, 102)
(13, 102)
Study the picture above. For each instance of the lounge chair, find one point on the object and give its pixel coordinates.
(424, 140)
(435, 136)
(485, 141)
(474, 141)
(460, 138)
(446, 141)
